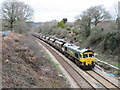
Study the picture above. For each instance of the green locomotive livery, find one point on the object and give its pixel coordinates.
(85, 58)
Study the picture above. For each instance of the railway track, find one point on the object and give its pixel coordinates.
(103, 81)
(84, 79)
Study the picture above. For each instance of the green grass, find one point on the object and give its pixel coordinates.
(48, 57)
(80, 37)
(115, 64)
(102, 58)
(56, 66)
(116, 72)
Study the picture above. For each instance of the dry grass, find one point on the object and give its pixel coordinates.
(24, 64)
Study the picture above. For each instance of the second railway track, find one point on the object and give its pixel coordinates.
(84, 79)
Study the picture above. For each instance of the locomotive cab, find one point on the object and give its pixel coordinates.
(87, 58)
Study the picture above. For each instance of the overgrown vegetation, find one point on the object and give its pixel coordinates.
(56, 66)
(103, 37)
(93, 29)
(25, 64)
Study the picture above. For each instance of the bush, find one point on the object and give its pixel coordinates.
(61, 25)
(71, 41)
(68, 28)
(61, 33)
(21, 27)
(87, 32)
(112, 42)
(110, 34)
(76, 31)
(53, 32)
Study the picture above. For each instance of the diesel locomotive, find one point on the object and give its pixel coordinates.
(84, 58)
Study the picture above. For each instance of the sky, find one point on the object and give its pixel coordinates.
(48, 10)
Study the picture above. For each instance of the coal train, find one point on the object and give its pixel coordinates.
(84, 58)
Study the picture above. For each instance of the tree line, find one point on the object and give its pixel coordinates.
(92, 16)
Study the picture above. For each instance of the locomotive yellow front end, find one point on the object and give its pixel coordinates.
(88, 59)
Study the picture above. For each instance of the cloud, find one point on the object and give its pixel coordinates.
(47, 10)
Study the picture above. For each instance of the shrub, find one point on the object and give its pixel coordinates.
(87, 32)
(71, 41)
(21, 27)
(68, 28)
(61, 33)
(76, 31)
(110, 34)
(61, 25)
(112, 41)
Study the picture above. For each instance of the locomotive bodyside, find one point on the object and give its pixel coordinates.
(84, 58)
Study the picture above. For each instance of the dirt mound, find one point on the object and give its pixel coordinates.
(24, 64)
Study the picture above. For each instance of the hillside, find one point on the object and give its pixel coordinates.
(103, 39)
(25, 64)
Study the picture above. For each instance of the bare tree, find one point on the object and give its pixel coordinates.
(85, 22)
(95, 14)
(98, 13)
(13, 11)
(115, 10)
(119, 15)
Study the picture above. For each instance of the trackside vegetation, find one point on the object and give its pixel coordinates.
(94, 30)
(56, 66)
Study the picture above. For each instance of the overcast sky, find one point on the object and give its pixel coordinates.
(47, 10)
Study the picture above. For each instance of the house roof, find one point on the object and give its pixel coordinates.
(103, 23)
